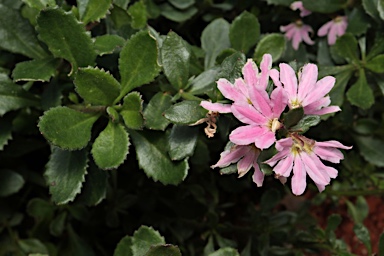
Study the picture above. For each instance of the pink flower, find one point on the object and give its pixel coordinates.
(297, 32)
(262, 118)
(309, 93)
(302, 155)
(334, 29)
(298, 5)
(246, 157)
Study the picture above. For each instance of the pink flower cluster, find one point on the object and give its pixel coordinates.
(298, 32)
(261, 114)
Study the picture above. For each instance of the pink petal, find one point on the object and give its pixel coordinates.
(229, 91)
(245, 135)
(258, 175)
(313, 172)
(324, 29)
(284, 167)
(320, 187)
(323, 111)
(265, 66)
(326, 170)
(279, 156)
(279, 101)
(241, 87)
(231, 156)
(250, 72)
(331, 143)
(298, 182)
(296, 39)
(261, 101)
(287, 27)
(322, 102)
(322, 87)
(305, 35)
(248, 114)
(329, 154)
(307, 80)
(332, 35)
(216, 107)
(266, 139)
(284, 143)
(245, 164)
(274, 74)
(288, 78)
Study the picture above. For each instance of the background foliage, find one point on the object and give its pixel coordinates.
(98, 152)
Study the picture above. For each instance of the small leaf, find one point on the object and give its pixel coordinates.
(40, 209)
(214, 39)
(244, 31)
(371, 149)
(358, 22)
(111, 146)
(107, 44)
(65, 174)
(164, 250)
(305, 123)
(96, 86)
(231, 67)
(273, 44)
(185, 112)
(40, 4)
(333, 221)
(175, 59)
(123, 248)
(138, 62)
(292, 117)
(67, 128)
(225, 252)
(66, 37)
(363, 234)
(95, 186)
(132, 111)
(176, 15)
(93, 10)
(153, 113)
(35, 70)
(370, 7)
(324, 6)
(376, 64)
(380, 8)
(204, 82)
(10, 182)
(57, 225)
(346, 47)
(337, 93)
(138, 12)
(360, 94)
(154, 160)
(231, 169)
(32, 245)
(182, 4)
(182, 142)
(144, 238)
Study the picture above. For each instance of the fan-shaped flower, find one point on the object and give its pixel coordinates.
(298, 5)
(297, 32)
(334, 28)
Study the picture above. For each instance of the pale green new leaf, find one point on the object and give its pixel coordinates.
(360, 94)
(93, 10)
(35, 70)
(144, 238)
(10, 182)
(138, 13)
(65, 174)
(153, 113)
(244, 31)
(132, 111)
(111, 146)
(107, 44)
(273, 44)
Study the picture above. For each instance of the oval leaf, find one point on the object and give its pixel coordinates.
(244, 31)
(273, 44)
(35, 70)
(123, 248)
(93, 10)
(324, 6)
(144, 238)
(164, 250)
(346, 47)
(132, 111)
(182, 141)
(153, 113)
(95, 186)
(185, 112)
(371, 149)
(360, 94)
(10, 182)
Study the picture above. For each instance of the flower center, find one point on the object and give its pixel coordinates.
(338, 19)
(274, 125)
(301, 143)
(295, 103)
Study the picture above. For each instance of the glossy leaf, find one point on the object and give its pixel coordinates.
(358, 22)
(17, 35)
(360, 94)
(175, 57)
(371, 149)
(273, 44)
(107, 44)
(35, 70)
(93, 10)
(111, 146)
(244, 31)
(346, 47)
(305, 123)
(204, 82)
(40, 209)
(138, 62)
(232, 66)
(153, 113)
(214, 39)
(96, 86)
(65, 174)
(324, 6)
(132, 111)
(185, 112)
(10, 182)
(67, 128)
(182, 141)
(376, 64)
(144, 238)
(66, 37)
(138, 13)
(154, 160)
(123, 248)
(164, 250)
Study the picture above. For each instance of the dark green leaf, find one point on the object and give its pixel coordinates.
(214, 39)
(57, 225)
(358, 22)
(273, 44)
(17, 35)
(176, 15)
(5, 131)
(280, 2)
(111, 146)
(35, 70)
(154, 160)
(144, 238)
(32, 245)
(96, 86)
(324, 6)
(346, 47)
(175, 59)
(93, 10)
(380, 8)
(182, 4)
(10, 182)
(225, 252)
(270, 199)
(138, 13)
(138, 62)
(244, 31)
(13, 97)
(182, 141)
(95, 186)
(292, 117)
(40, 4)
(371, 149)
(132, 111)
(377, 47)
(231, 169)
(66, 37)
(204, 82)
(366, 126)
(376, 64)
(65, 174)
(40, 209)
(333, 221)
(123, 248)
(370, 7)
(67, 128)
(164, 250)
(363, 234)
(337, 93)
(76, 245)
(107, 44)
(360, 94)
(153, 113)
(305, 123)
(121, 3)
(232, 66)
(185, 112)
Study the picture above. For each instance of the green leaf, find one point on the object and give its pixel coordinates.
(380, 8)
(273, 44)
(305, 123)
(244, 31)
(76, 245)
(358, 22)
(346, 47)
(40, 209)
(337, 93)
(10, 182)
(96, 86)
(270, 199)
(360, 94)
(280, 2)
(107, 44)
(121, 3)
(95, 186)
(182, 4)
(5, 131)
(144, 238)
(376, 64)
(132, 111)
(292, 117)
(123, 248)
(225, 252)
(17, 35)
(65, 173)
(154, 160)
(66, 37)
(93, 10)
(56, 227)
(370, 7)
(67, 128)
(176, 15)
(214, 39)
(111, 146)
(231, 67)
(153, 113)
(204, 82)
(13, 97)
(138, 12)
(138, 62)
(363, 234)
(40, 4)
(371, 149)
(32, 245)
(164, 250)
(175, 57)
(185, 112)
(182, 141)
(324, 6)
(333, 221)
(35, 70)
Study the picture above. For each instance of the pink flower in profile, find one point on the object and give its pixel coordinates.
(297, 32)
(334, 29)
(308, 93)
(246, 157)
(298, 5)
(302, 155)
